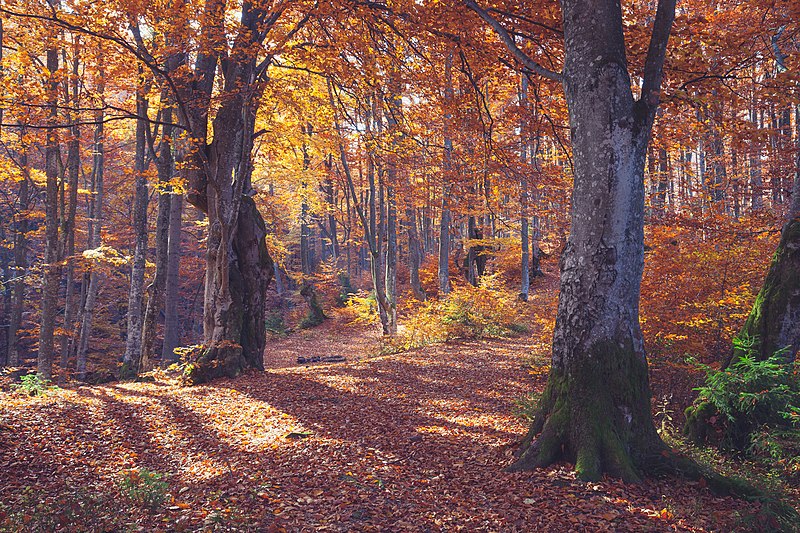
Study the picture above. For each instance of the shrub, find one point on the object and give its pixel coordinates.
(486, 311)
(275, 324)
(362, 308)
(34, 385)
(751, 406)
(144, 487)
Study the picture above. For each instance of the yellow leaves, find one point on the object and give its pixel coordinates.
(106, 254)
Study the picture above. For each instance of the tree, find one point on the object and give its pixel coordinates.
(595, 410)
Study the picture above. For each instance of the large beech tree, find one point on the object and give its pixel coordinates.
(595, 410)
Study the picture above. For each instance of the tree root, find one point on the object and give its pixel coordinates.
(208, 363)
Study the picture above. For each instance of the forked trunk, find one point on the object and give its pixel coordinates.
(595, 410)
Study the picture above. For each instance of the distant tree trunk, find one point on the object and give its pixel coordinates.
(94, 240)
(447, 167)
(51, 268)
(68, 215)
(367, 214)
(20, 260)
(391, 252)
(414, 251)
(525, 281)
(595, 409)
(133, 343)
(172, 324)
(155, 291)
(756, 180)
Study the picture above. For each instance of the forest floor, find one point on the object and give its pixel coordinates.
(415, 441)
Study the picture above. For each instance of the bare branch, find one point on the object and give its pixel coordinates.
(521, 56)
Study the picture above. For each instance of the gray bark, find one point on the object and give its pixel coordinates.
(94, 241)
(133, 343)
(20, 260)
(447, 167)
(595, 410)
(172, 323)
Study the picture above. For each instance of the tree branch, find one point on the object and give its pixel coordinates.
(521, 56)
(654, 64)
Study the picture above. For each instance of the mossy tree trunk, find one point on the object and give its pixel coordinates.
(774, 323)
(595, 411)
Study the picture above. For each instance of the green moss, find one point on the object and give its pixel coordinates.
(596, 414)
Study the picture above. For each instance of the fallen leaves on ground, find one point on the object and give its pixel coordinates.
(408, 442)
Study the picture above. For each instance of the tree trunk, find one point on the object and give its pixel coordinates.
(155, 291)
(133, 343)
(595, 409)
(20, 260)
(68, 216)
(51, 268)
(525, 281)
(238, 266)
(94, 240)
(414, 251)
(172, 324)
(447, 167)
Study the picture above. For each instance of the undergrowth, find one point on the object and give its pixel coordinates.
(487, 311)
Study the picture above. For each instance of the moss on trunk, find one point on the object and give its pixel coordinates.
(774, 322)
(595, 413)
(208, 363)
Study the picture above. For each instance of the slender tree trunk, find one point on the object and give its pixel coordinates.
(447, 167)
(133, 343)
(155, 291)
(94, 241)
(20, 261)
(172, 323)
(51, 268)
(391, 252)
(68, 216)
(414, 251)
(525, 282)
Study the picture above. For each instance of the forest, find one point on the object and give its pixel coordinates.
(399, 265)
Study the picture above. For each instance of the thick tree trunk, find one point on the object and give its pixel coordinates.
(51, 268)
(595, 409)
(133, 343)
(238, 266)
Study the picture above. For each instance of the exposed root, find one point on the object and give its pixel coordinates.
(209, 363)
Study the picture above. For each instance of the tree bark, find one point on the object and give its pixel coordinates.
(595, 409)
(20, 260)
(155, 291)
(133, 343)
(447, 167)
(238, 266)
(51, 268)
(69, 208)
(172, 324)
(94, 241)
